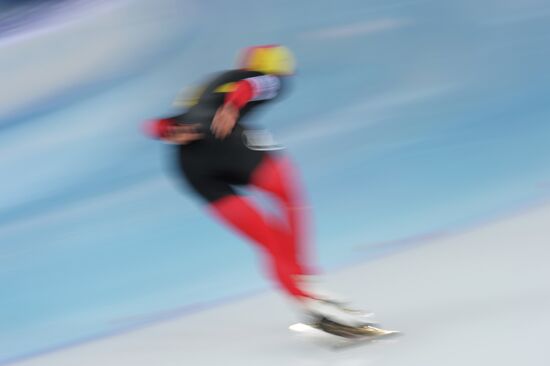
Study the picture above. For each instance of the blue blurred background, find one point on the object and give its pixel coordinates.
(406, 118)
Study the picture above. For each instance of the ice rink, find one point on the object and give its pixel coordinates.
(420, 129)
(480, 297)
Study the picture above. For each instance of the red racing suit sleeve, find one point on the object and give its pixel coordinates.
(158, 128)
(255, 88)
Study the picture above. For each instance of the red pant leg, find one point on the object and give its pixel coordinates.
(246, 219)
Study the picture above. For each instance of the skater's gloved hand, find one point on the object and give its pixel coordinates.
(224, 120)
(167, 129)
(183, 134)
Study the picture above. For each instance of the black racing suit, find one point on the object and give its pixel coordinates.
(212, 166)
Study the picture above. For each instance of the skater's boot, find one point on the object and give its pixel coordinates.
(328, 304)
(331, 318)
(322, 309)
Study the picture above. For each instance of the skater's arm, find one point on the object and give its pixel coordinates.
(224, 120)
(183, 134)
(168, 130)
(256, 88)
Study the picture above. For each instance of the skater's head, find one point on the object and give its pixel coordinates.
(270, 59)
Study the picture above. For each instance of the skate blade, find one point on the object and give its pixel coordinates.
(365, 334)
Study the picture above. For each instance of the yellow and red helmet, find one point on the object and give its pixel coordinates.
(269, 59)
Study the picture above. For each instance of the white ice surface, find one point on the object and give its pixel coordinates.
(478, 298)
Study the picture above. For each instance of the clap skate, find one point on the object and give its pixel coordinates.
(338, 326)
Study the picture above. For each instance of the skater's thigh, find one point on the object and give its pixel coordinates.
(276, 175)
(202, 174)
(210, 188)
(237, 164)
